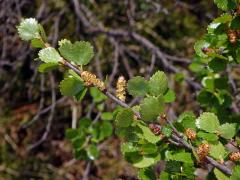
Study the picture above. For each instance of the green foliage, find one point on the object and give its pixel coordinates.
(107, 116)
(207, 136)
(139, 126)
(137, 86)
(236, 173)
(208, 122)
(80, 52)
(49, 55)
(45, 67)
(147, 174)
(169, 96)
(28, 29)
(187, 120)
(148, 135)
(218, 151)
(225, 4)
(124, 118)
(71, 86)
(97, 95)
(158, 84)
(92, 152)
(227, 130)
(151, 108)
(219, 175)
(179, 156)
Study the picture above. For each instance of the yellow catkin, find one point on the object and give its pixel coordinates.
(203, 151)
(235, 156)
(92, 80)
(191, 134)
(121, 88)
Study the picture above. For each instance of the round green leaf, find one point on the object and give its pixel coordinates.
(169, 96)
(208, 122)
(227, 130)
(49, 55)
(45, 67)
(71, 86)
(158, 84)
(218, 151)
(124, 117)
(28, 29)
(137, 86)
(80, 52)
(225, 4)
(92, 152)
(151, 108)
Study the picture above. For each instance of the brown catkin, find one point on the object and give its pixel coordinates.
(92, 80)
(155, 128)
(232, 36)
(121, 88)
(191, 134)
(203, 151)
(235, 156)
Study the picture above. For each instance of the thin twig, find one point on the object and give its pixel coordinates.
(50, 118)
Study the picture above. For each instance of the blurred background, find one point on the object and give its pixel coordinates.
(130, 38)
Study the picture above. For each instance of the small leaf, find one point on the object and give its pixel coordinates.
(70, 86)
(224, 18)
(147, 174)
(106, 130)
(80, 154)
(151, 108)
(235, 24)
(227, 130)
(80, 52)
(236, 173)
(78, 142)
(37, 43)
(92, 152)
(217, 64)
(148, 148)
(42, 33)
(218, 151)
(169, 96)
(144, 162)
(148, 135)
(238, 55)
(71, 133)
(219, 175)
(137, 86)
(187, 119)
(225, 4)
(49, 55)
(167, 131)
(45, 67)
(158, 84)
(84, 124)
(28, 29)
(208, 122)
(80, 95)
(199, 45)
(207, 136)
(128, 147)
(179, 156)
(97, 95)
(124, 118)
(107, 116)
